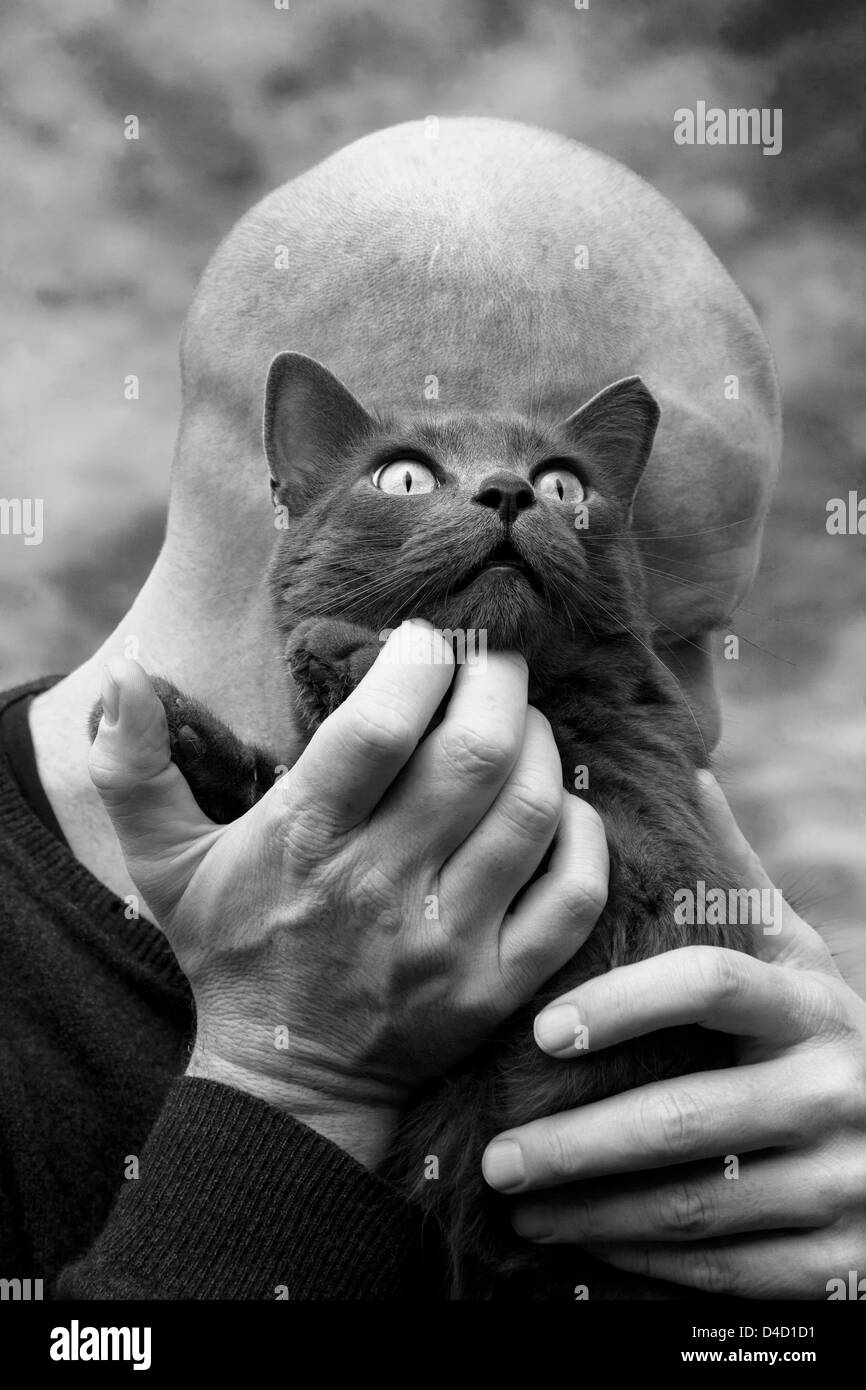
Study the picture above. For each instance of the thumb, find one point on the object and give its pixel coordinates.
(161, 828)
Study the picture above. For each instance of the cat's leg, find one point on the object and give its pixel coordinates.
(226, 776)
(327, 658)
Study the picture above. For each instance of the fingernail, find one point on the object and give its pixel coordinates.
(533, 1223)
(706, 778)
(410, 642)
(110, 693)
(503, 1166)
(556, 1028)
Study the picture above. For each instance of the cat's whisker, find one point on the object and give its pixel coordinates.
(416, 597)
(671, 535)
(694, 584)
(766, 651)
(351, 591)
(667, 626)
(753, 613)
(566, 608)
(235, 589)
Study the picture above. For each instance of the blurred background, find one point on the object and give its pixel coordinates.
(103, 241)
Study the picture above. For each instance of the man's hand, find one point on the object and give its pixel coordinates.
(792, 1114)
(351, 936)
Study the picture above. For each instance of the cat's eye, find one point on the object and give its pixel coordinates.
(559, 484)
(405, 478)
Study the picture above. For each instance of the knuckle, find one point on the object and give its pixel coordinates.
(858, 1077)
(586, 817)
(533, 810)
(587, 894)
(674, 1123)
(121, 780)
(840, 1095)
(406, 974)
(683, 1211)
(709, 1270)
(829, 1200)
(816, 1111)
(820, 1010)
(477, 756)
(304, 835)
(538, 733)
(724, 978)
(557, 1154)
(105, 773)
(370, 892)
(382, 734)
(534, 716)
(481, 999)
(422, 963)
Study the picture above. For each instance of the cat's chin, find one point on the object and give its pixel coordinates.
(476, 624)
(500, 610)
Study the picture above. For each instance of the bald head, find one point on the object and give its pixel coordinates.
(522, 271)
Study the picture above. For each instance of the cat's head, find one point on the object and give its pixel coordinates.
(500, 523)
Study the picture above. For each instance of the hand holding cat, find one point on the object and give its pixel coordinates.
(750, 1181)
(351, 935)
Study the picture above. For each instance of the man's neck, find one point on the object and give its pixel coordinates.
(231, 663)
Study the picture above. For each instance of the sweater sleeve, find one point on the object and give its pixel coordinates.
(236, 1200)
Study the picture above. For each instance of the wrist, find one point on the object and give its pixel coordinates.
(363, 1130)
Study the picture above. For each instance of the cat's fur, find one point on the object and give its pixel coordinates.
(354, 561)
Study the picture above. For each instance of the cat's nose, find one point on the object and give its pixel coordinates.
(507, 493)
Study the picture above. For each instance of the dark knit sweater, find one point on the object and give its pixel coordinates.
(233, 1199)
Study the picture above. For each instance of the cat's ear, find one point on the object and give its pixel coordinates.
(311, 419)
(615, 431)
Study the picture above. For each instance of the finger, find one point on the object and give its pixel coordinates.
(555, 915)
(699, 1202)
(790, 938)
(463, 764)
(150, 805)
(784, 1265)
(356, 754)
(507, 846)
(707, 985)
(782, 1103)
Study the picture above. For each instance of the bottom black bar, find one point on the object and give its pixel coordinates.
(164, 1340)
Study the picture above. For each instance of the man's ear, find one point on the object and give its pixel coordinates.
(311, 419)
(615, 431)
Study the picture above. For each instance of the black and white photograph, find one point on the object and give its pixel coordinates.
(433, 671)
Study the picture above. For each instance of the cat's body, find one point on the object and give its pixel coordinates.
(517, 528)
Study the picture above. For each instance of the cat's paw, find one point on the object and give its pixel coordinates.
(327, 658)
(225, 776)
